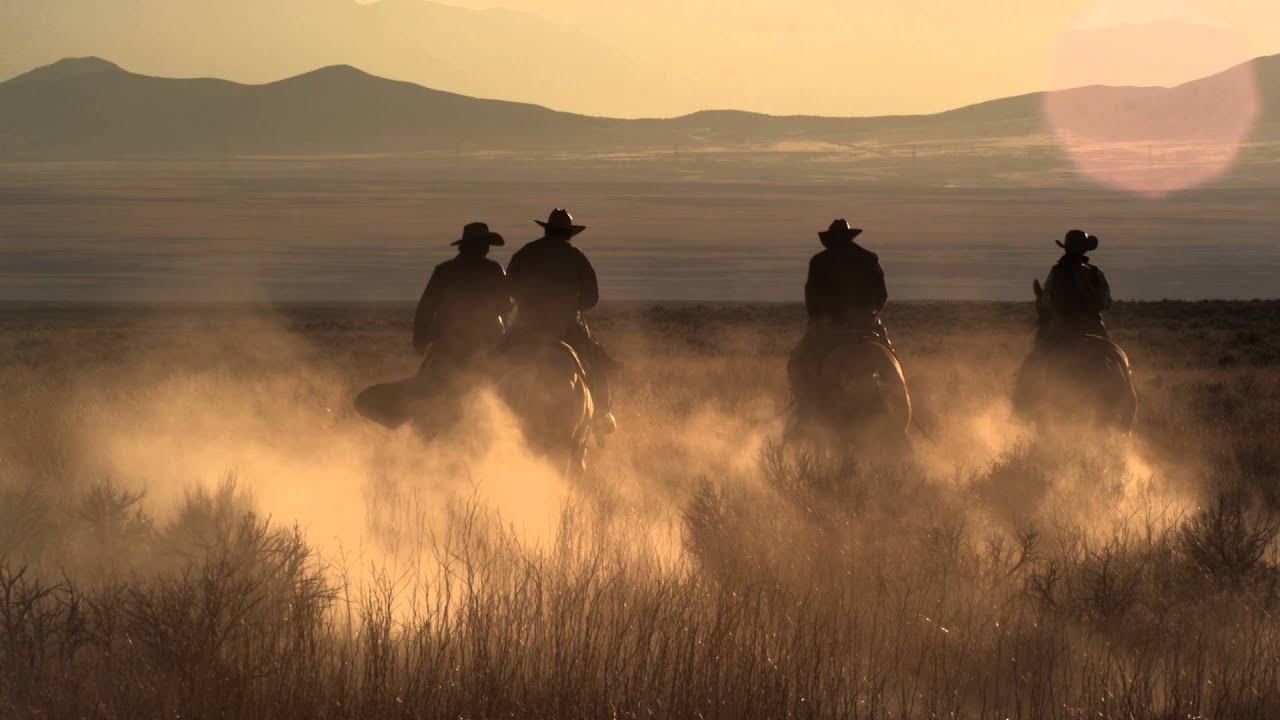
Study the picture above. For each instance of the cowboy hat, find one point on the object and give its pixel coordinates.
(840, 230)
(478, 232)
(560, 220)
(1078, 242)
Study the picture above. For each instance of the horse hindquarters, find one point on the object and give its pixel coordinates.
(1087, 381)
(893, 388)
(1117, 396)
(546, 390)
(852, 388)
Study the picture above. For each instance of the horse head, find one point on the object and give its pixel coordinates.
(1044, 316)
(1042, 302)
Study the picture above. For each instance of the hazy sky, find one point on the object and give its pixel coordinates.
(665, 57)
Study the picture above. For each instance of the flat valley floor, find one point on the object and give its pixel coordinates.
(727, 226)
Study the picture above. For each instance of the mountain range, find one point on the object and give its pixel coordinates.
(88, 108)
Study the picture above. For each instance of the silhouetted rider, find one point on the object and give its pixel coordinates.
(1076, 293)
(843, 295)
(845, 289)
(462, 312)
(553, 283)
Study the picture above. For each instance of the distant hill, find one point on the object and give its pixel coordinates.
(89, 108)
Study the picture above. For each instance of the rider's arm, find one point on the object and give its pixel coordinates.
(1103, 298)
(882, 292)
(588, 285)
(813, 293)
(423, 319)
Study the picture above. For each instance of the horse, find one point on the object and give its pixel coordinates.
(850, 388)
(1084, 378)
(545, 386)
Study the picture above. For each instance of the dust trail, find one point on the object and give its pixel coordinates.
(260, 408)
(264, 405)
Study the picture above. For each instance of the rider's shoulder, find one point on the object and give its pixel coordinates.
(859, 250)
(527, 248)
(1083, 268)
(576, 253)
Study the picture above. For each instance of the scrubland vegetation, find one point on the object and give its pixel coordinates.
(194, 524)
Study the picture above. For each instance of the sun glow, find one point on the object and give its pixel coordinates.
(1152, 140)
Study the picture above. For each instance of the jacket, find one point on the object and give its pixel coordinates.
(1076, 294)
(463, 306)
(845, 286)
(552, 283)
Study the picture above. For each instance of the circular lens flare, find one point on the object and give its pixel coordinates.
(1152, 107)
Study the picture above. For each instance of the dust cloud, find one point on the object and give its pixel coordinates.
(248, 400)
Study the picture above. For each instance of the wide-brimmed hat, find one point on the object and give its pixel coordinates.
(1078, 242)
(840, 230)
(561, 221)
(479, 232)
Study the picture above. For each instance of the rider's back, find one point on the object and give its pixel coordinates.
(552, 282)
(463, 305)
(1076, 293)
(846, 285)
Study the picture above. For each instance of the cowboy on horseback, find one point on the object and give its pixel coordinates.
(844, 295)
(461, 316)
(845, 289)
(1075, 294)
(1075, 371)
(459, 322)
(553, 284)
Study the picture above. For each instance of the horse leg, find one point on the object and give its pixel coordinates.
(1125, 399)
(577, 465)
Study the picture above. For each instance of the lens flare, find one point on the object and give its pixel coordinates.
(1152, 107)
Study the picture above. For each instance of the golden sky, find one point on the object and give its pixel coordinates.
(666, 57)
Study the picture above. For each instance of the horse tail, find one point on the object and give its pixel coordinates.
(585, 410)
(389, 404)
